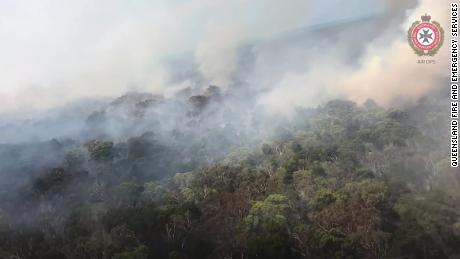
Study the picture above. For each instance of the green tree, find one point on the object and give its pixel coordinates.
(266, 227)
(127, 193)
(101, 151)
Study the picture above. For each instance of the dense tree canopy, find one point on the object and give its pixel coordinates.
(338, 181)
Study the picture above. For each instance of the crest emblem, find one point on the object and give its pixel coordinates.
(425, 37)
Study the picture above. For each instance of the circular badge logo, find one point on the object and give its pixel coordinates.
(425, 37)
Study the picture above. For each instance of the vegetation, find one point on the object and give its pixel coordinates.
(338, 181)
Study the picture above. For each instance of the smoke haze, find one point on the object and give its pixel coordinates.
(74, 58)
(64, 52)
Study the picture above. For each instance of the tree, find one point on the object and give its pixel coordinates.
(101, 151)
(351, 216)
(266, 227)
(127, 193)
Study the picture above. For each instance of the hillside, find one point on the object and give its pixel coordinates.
(184, 177)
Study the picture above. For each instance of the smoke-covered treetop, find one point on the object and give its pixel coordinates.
(339, 180)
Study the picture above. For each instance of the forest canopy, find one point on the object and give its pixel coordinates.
(338, 181)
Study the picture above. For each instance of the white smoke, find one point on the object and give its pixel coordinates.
(388, 70)
(54, 52)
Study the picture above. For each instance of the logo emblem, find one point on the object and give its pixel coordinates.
(425, 37)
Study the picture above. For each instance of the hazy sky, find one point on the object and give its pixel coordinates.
(55, 51)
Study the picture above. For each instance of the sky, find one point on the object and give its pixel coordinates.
(53, 52)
